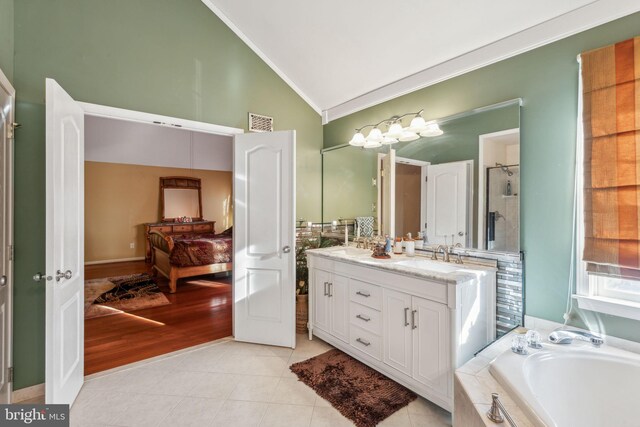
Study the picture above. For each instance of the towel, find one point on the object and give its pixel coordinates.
(365, 223)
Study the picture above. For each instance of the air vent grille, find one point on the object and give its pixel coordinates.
(259, 123)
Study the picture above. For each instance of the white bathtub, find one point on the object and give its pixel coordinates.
(574, 385)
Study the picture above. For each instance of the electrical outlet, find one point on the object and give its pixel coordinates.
(132, 245)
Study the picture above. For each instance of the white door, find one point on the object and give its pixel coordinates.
(64, 246)
(264, 238)
(388, 197)
(397, 330)
(7, 97)
(320, 298)
(339, 307)
(448, 203)
(431, 344)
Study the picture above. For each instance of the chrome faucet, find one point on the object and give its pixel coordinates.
(566, 336)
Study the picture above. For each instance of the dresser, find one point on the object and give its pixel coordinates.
(175, 228)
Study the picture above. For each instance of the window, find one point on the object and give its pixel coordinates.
(608, 180)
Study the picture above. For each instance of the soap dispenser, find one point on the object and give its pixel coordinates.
(410, 246)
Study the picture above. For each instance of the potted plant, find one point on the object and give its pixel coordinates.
(302, 278)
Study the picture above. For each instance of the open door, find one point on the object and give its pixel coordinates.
(387, 198)
(64, 278)
(264, 238)
(449, 203)
(7, 104)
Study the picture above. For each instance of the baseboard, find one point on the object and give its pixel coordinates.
(27, 393)
(109, 261)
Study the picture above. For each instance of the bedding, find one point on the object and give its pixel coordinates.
(191, 250)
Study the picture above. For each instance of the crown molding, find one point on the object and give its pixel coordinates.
(586, 17)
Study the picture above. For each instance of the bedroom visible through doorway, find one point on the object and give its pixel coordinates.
(131, 313)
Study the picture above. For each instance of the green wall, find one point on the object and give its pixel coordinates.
(547, 79)
(170, 57)
(6, 38)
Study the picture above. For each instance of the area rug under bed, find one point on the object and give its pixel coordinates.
(113, 295)
(359, 392)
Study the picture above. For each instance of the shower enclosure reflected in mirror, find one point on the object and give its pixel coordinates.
(462, 187)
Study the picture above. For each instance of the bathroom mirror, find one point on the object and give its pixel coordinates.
(180, 197)
(462, 187)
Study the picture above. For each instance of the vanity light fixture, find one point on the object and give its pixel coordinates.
(395, 133)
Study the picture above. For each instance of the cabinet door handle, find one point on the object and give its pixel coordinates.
(325, 289)
(363, 342)
(364, 294)
(406, 316)
(363, 317)
(413, 319)
(330, 289)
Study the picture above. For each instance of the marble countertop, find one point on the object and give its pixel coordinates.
(423, 267)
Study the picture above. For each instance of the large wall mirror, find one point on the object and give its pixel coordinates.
(462, 187)
(180, 197)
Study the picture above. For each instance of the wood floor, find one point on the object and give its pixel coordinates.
(200, 311)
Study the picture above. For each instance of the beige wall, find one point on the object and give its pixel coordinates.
(120, 198)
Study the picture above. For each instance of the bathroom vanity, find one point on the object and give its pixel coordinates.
(413, 319)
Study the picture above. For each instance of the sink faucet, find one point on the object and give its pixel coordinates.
(566, 336)
(445, 253)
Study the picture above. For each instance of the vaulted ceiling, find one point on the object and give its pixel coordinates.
(336, 52)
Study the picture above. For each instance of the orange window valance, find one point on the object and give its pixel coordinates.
(611, 116)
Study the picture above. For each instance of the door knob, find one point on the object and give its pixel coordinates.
(286, 249)
(3, 280)
(66, 275)
(39, 277)
(460, 233)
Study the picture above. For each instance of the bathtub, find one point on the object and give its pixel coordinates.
(574, 385)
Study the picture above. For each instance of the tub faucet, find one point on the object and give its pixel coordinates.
(566, 336)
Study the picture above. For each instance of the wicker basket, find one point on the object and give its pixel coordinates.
(302, 313)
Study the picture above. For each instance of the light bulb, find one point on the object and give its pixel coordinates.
(408, 136)
(417, 124)
(395, 130)
(375, 135)
(387, 140)
(357, 140)
(432, 129)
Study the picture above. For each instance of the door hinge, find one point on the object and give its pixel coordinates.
(11, 128)
(10, 250)
(10, 374)
(426, 179)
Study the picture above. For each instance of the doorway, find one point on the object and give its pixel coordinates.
(131, 313)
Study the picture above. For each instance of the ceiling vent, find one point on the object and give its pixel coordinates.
(259, 123)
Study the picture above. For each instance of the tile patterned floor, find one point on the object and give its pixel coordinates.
(224, 384)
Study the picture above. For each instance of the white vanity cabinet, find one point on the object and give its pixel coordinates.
(330, 303)
(412, 329)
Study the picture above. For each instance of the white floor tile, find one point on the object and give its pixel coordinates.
(254, 388)
(278, 415)
(178, 383)
(213, 385)
(146, 410)
(192, 411)
(328, 417)
(399, 418)
(294, 392)
(240, 414)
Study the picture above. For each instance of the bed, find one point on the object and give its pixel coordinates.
(186, 255)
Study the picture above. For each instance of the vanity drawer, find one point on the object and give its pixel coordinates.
(182, 228)
(365, 293)
(203, 227)
(366, 342)
(365, 318)
(166, 229)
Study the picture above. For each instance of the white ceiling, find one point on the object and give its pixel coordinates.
(334, 51)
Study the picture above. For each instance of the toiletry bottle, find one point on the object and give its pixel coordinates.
(410, 246)
(508, 188)
(397, 248)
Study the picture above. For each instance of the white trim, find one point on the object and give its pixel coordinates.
(28, 393)
(109, 261)
(612, 306)
(149, 118)
(242, 36)
(573, 22)
(6, 84)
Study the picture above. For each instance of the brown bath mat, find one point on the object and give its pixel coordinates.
(359, 392)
